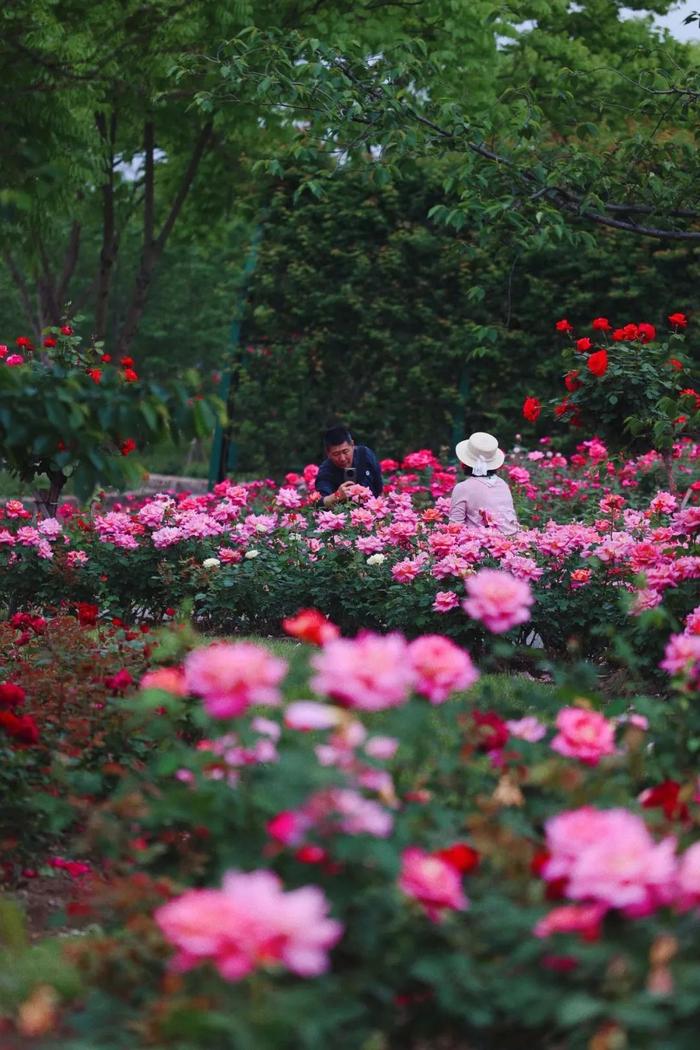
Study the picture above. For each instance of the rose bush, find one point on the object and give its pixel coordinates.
(388, 865)
(67, 410)
(248, 555)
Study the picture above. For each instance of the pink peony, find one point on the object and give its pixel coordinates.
(250, 922)
(445, 601)
(498, 599)
(432, 881)
(370, 672)
(583, 734)
(441, 667)
(230, 676)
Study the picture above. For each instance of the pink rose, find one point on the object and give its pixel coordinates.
(230, 676)
(585, 735)
(498, 599)
(432, 881)
(251, 922)
(370, 672)
(441, 667)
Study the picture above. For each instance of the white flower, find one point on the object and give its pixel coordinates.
(211, 563)
(251, 554)
(376, 559)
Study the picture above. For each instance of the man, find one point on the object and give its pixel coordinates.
(342, 453)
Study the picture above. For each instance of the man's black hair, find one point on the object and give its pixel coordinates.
(336, 436)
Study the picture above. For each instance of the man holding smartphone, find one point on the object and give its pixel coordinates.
(346, 465)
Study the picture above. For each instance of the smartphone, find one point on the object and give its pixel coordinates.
(350, 474)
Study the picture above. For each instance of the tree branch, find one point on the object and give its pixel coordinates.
(22, 287)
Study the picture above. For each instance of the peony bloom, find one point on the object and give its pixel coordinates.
(498, 599)
(230, 676)
(432, 881)
(532, 409)
(597, 363)
(310, 625)
(370, 672)
(445, 601)
(583, 734)
(251, 922)
(441, 667)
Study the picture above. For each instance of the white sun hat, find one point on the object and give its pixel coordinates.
(481, 453)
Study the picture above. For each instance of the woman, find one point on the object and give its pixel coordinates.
(482, 498)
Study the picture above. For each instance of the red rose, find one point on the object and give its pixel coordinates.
(630, 331)
(598, 363)
(460, 856)
(582, 345)
(572, 381)
(678, 320)
(66, 330)
(50, 341)
(310, 625)
(130, 375)
(87, 613)
(127, 446)
(675, 363)
(11, 695)
(562, 408)
(619, 335)
(601, 324)
(119, 681)
(564, 326)
(126, 362)
(646, 332)
(106, 358)
(665, 796)
(689, 392)
(24, 343)
(531, 409)
(95, 374)
(22, 728)
(492, 732)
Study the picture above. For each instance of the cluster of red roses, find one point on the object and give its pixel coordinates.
(129, 374)
(20, 728)
(597, 360)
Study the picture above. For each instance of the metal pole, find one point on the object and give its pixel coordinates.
(223, 448)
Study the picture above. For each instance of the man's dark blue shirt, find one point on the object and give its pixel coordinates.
(367, 473)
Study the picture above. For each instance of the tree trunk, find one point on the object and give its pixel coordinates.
(153, 247)
(48, 498)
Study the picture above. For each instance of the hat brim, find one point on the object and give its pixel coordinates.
(464, 456)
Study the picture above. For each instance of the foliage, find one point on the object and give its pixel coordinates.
(538, 145)
(457, 786)
(629, 385)
(67, 410)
